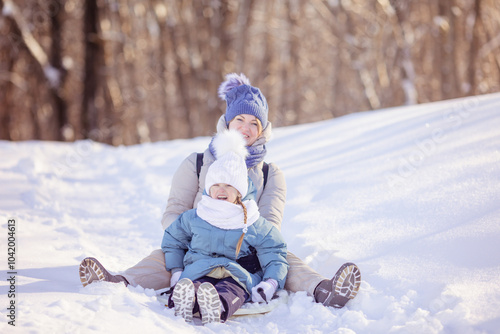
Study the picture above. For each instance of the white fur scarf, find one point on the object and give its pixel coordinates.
(226, 215)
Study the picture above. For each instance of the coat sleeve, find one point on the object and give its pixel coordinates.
(272, 201)
(183, 191)
(175, 242)
(272, 256)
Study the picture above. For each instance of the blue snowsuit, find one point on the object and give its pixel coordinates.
(197, 247)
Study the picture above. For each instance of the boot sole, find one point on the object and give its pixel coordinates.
(209, 302)
(90, 271)
(347, 280)
(183, 298)
(343, 287)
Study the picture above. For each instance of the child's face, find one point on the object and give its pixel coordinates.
(224, 192)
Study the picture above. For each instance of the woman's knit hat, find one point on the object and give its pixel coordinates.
(242, 98)
(230, 166)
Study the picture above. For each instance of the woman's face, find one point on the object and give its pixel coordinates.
(248, 125)
(224, 192)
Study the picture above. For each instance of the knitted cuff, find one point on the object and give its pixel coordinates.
(273, 282)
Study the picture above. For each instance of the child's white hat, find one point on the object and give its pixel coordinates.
(230, 166)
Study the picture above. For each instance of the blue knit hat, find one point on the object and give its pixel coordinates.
(242, 98)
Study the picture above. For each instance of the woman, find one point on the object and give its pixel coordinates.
(246, 112)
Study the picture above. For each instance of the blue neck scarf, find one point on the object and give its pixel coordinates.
(256, 153)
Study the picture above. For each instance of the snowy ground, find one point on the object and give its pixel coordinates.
(412, 195)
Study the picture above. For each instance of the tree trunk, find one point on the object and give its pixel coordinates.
(92, 63)
(474, 49)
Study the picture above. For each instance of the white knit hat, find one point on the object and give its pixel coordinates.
(230, 166)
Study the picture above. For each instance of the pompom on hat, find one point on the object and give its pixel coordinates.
(230, 166)
(242, 98)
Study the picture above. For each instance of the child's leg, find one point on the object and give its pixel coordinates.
(232, 296)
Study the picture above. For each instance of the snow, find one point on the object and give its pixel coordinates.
(409, 194)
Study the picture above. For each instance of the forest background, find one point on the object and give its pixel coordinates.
(125, 72)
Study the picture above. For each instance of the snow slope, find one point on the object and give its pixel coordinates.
(410, 194)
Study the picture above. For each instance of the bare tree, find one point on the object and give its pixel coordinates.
(130, 71)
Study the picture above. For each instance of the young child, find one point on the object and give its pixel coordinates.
(224, 252)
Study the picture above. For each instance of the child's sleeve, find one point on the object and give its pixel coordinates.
(175, 242)
(272, 256)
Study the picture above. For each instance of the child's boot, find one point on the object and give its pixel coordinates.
(183, 298)
(209, 302)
